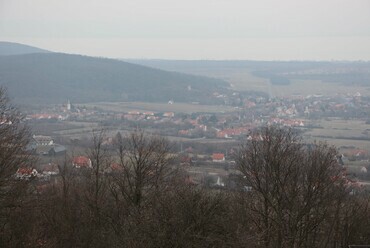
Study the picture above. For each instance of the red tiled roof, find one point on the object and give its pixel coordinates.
(218, 156)
(25, 171)
(81, 161)
(357, 152)
(51, 168)
(116, 167)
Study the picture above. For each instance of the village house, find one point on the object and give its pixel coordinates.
(44, 145)
(114, 168)
(357, 154)
(41, 140)
(183, 132)
(50, 169)
(232, 132)
(148, 113)
(169, 114)
(134, 113)
(50, 150)
(26, 173)
(45, 117)
(218, 157)
(81, 162)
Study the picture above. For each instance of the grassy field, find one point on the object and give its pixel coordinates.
(240, 75)
(341, 128)
(341, 143)
(159, 107)
(243, 80)
(341, 133)
(246, 81)
(310, 87)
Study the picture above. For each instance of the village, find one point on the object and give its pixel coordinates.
(206, 142)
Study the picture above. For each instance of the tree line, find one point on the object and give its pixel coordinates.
(287, 194)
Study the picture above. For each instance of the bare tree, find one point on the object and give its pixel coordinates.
(295, 187)
(14, 137)
(145, 163)
(94, 191)
(354, 225)
(101, 160)
(138, 179)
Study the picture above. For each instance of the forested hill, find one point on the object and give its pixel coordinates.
(10, 48)
(54, 78)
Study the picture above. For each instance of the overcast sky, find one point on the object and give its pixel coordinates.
(193, 29)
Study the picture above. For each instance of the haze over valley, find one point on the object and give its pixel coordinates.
(213, 123)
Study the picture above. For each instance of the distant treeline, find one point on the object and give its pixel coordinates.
(274, 79)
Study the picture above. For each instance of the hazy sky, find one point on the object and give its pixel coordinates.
(193, 29)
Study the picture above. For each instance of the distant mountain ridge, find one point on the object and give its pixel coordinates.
(10, 48)
(40, 78)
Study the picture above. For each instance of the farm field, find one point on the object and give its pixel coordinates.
(341, 133)
(159, 107)
(342, 144)
(312, 87)
(341, 128)
(244, 81)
